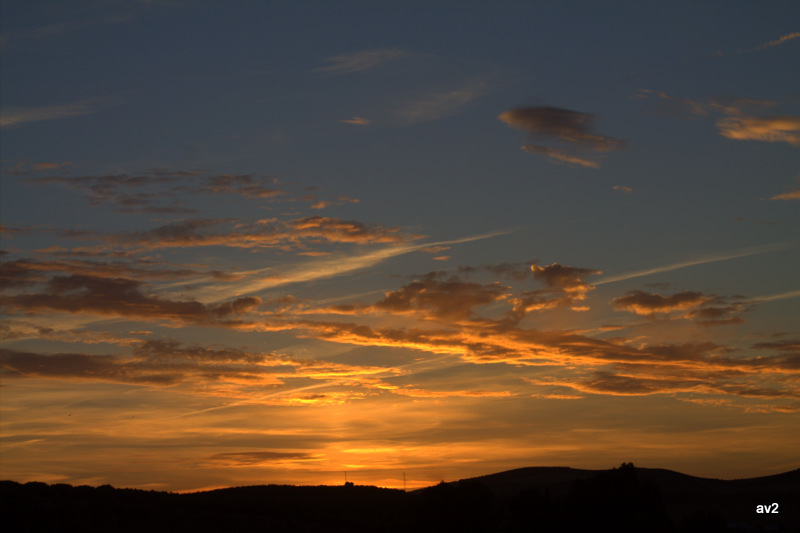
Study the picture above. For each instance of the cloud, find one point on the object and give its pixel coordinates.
(71, 365)
(25, 271)
(780, 40)
(687, 107)
(160, 191)
(358, 61)
(705, 309)
(559, 156)
(121, 297)
(620, 384)
(249, 459)
(229, 372)
(565, 125)
(648, 304)
(447, 298)
(564, 278)
(572, 128)
(245, 185)
(423, 393)
(296, 234)
(437, 104)
(790, 347)
(22, 115)
(341, 200)
(61, 27)
(356, 121)
(258, 280)
(434, 297)
(623, 188)
(769, 129)
(790, 195)
(162, 362)
(719, 256)
(617, 367)
(780, 296)
(738, 122)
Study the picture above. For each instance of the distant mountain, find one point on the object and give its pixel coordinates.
(537, 499)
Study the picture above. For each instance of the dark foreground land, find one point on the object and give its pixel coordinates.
(624, 499)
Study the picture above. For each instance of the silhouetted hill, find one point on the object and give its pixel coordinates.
(537, 499)
(684, 497)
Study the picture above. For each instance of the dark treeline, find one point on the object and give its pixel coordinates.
(619, 500)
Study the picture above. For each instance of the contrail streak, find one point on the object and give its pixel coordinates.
(724, 256)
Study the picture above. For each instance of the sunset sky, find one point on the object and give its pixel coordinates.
(273, 242)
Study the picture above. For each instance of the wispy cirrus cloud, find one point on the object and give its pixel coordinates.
(15, 116)
(266, 233)
(256, 458)
(359, 61)
(439, 103)
(60, 27)
(316, 269)
(780, 296)
(779, 40)
(160, 191)
(356, 121)
(704, 259)
(560, 156)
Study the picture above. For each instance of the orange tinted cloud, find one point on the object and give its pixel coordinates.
(449, 298)
(643, 303)
(738, 122)
(706, 309)
(257, 458)
(421, 393)
(770, 129)
(559, 156)
(778, 41)
(22, 115)
(293, 234)
(791, 195)
(565, 278)
(356, 121)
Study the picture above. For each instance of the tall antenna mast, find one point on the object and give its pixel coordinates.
(404, 482)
